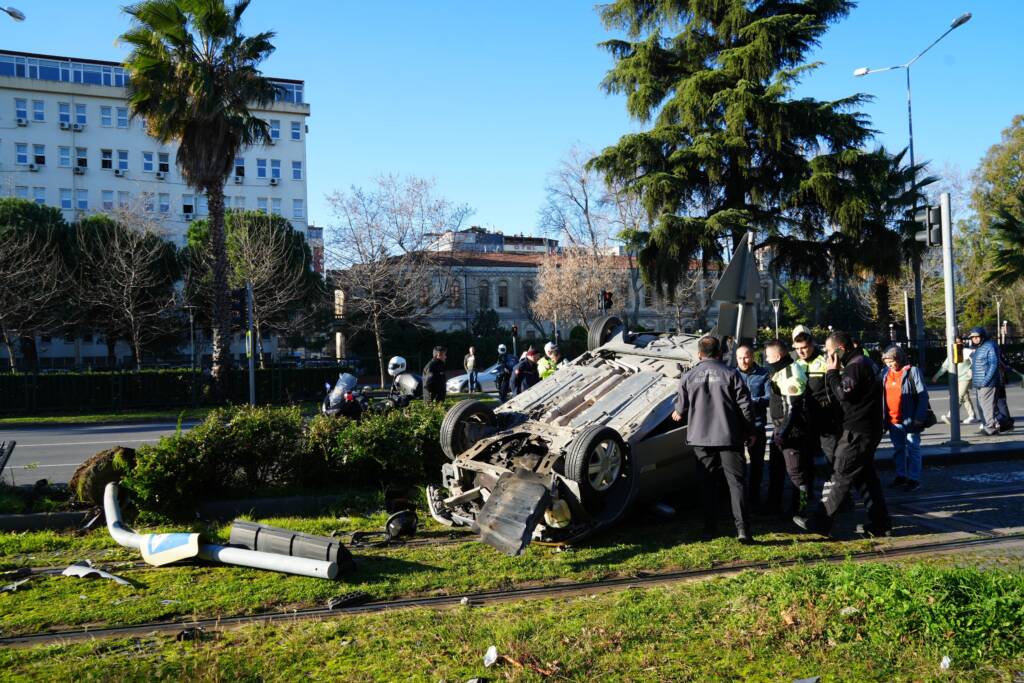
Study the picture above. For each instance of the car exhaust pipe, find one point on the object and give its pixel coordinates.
(159, 549)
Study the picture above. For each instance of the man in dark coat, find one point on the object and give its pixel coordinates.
(714, 402)
(526, 373)
(434, 375)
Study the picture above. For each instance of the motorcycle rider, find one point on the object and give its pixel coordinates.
(405, 386)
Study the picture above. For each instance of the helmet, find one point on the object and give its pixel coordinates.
(501, 348)
(396, 366)
(548, 348)
(401, 524)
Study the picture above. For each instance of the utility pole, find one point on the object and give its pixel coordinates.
(906, 313)
(250, 346)
(952, 349)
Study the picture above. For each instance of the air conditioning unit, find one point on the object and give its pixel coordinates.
(33, 167)
(64, 125)
(239, 179)
(77, 127)
(160, 175)
(120, 172)
(79, 170)
(188, 217)
(21, 121)
(275, 181)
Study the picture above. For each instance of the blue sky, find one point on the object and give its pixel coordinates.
(486, 97)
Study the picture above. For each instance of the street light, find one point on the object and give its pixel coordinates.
(775, 307)
(13, 13)
(916, 261)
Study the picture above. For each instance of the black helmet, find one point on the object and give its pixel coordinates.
(401, 524)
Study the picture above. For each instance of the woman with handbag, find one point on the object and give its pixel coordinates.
(906, 413)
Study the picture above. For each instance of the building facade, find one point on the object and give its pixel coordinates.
(67, 140)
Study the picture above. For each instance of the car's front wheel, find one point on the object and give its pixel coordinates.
(466, 423)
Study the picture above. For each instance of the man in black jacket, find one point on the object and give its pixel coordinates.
(526, 374)
(853, 378)
(792, 433)
(714, 401)
(434, 375)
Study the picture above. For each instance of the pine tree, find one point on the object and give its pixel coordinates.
(730, 148)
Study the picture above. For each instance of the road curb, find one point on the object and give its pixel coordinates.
(41, 521)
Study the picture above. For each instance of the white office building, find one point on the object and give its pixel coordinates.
(67, 140)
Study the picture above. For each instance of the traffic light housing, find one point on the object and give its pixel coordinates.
(515, 330)
(238, 306)
(606, 300)
(929, 226)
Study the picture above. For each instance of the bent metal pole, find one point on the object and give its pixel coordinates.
(241, 557)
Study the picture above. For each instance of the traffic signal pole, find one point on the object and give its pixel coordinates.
(951, 331)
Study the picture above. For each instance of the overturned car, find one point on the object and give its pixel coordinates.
(574, 452)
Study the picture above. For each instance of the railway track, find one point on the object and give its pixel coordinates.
(552, 590)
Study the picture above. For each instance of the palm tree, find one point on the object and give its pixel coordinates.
(193, 80)
(1008, 256)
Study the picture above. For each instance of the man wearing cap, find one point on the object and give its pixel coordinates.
(985, 378)
(525, 375)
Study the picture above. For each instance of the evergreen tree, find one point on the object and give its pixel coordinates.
(730, 149)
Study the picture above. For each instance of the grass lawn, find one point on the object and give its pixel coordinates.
(851, 622)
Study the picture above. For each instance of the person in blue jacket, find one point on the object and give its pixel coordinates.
(904, 410)
(757, 380)
(985, 378)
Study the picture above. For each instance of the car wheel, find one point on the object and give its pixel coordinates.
(601, 330)
(466, 423)
(597, 459)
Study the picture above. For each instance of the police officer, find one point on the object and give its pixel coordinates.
(792, 433)
(853, 378)
(714, 402)
(434, 375)
(506, 363)
(551, 362)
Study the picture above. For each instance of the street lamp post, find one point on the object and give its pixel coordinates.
(916, 260)
(191, 338)
(13, 13)
(999, 316)
(775, 307)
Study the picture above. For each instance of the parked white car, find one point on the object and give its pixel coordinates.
(485, 379)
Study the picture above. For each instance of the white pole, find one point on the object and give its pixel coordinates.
(947, 277)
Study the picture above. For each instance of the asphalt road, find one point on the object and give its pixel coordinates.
(54, 453)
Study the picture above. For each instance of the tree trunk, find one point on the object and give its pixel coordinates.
(137, 350)
(10, 352)
(221, 313)
(111, 350)
(881, 287)
(30, 353)
(380, 347)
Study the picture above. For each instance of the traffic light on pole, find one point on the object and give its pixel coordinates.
(515, 330)
(238, 306)
(606, 300)
(929, 226)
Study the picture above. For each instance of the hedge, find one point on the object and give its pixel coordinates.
(240, 451)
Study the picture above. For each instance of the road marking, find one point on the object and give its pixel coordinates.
(37, 467)
(80, 443)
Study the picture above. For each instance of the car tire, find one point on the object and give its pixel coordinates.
(601, 330)
(597, 460)
(454, 436)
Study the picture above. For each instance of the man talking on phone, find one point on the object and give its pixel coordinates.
(853, 378)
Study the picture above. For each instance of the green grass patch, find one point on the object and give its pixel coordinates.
(853, 622)
(127, 416)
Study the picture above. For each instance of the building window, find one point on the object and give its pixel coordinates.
(147, 162)
(82, 197)
(261, 204)
(275, 168)
(124, 198)
(240, 167)
(122, 117)
(503, 294)
(21, 191)
(108, 200)
(39, 195)
(20, 108)
(81, 157)
(122, 159)
(163, 162)
(106, 159)
(240, 203)
(484, 290)
(39, 154)
(275, 129)
(527, 292)
(296, 170)
(261, 168)
(106, 117)
(20, 153)
(64, 112)
(531, 333)
(64, 157)
(275, 206)
(296, 130)
(454, 296)
(187, 204)
(298, 210)
(165, 202)
(38, 110)
(80, 114)
(65, 198)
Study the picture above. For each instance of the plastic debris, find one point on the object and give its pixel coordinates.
(83, 569)
(491, 657)
(946, 661)
(848, 611)
(190, 633)
(812, 679)
(12, 587)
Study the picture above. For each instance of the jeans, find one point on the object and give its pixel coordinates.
(906, 452)
(473, 384)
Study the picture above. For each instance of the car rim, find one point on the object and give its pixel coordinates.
(604, 465)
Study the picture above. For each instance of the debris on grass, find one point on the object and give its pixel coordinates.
(83, 569)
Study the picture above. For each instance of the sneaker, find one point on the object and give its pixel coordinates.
(911, 485)
(970, 420)
(944, 419)
(745, 538)
(868, 531)
(989, 432)
(982, 430)
(898, 482)
(810, 525)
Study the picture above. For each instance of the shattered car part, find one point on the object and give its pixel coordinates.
(13, 587)
(349, 600)
(269, 539)
(576, 450)
(83, 569)
(157, 547)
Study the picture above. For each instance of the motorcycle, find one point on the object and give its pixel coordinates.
(345, 399)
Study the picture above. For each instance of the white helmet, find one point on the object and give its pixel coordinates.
(396, 366)
(501, 348)
(548, 348)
